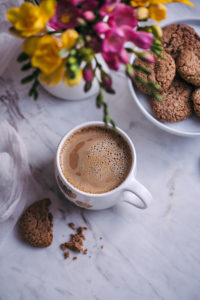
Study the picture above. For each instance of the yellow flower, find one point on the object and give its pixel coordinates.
(46, 54)
(69, 81)
(29, 19)
(69, 38)
(144, 3)
(53, 78)
(140, 2)
(180, 1)
(157, 12)
(29, 45)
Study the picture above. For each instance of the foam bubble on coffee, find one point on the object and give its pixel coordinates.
(95, 159)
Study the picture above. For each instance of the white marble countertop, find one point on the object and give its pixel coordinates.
(150, 254)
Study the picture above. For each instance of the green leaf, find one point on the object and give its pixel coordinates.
(22, 57)
(27, 79)
(26, 67)
(35, 95)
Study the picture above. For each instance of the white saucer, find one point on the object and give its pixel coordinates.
(189, 127)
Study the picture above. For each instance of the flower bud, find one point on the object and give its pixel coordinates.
(142, 13)
(81, 21)
(101, 27)
(88, 73)
(89, 15)
(106, 80)
(146, 56)
(130, 71)
(157, 31)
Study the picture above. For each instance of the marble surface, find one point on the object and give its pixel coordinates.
(149, 254)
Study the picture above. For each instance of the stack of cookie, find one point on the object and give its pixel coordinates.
(177, 74)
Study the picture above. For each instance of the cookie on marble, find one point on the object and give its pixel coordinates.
(177, 37)
(196, 101)
(188, 65)
(176, 105)
(162, 72)
(36, 224)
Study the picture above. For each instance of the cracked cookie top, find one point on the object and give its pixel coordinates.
(188, 65)
(196, 101)
(176, 104)
(177, 37)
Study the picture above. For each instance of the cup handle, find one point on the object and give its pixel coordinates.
(144, 197)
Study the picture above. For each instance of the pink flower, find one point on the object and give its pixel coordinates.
(108, 9)
(65, 17)
(101, 27)
(123, 15)
(113, 41)
(85, 4)
(89, 15)
(113, 60)
(141, 39)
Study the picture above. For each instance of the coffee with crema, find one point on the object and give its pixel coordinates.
(95, 159)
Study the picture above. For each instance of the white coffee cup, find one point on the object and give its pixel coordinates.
(130, 190)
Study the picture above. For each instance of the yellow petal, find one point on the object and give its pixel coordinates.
(54, 78)
(157, 12)
(29, 45)
(140, 2)
(38, 61)
(185, 2)
(28, 8)
(13, 15)
(48, 7)
(71, 82)
(69, 38)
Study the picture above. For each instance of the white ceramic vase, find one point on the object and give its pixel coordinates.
(76, 92)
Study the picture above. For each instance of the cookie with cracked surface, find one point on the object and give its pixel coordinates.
(36, 224)
(176, 105)
(162, 72)
(196, 101)
(188, 65)
(177, 37)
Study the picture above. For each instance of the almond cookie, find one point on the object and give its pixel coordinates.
(177, 37)
(196, 101)
(188, 65)
(175, 105)
(36, 224)
(162, 72)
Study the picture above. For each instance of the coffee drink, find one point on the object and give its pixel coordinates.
(95, 159)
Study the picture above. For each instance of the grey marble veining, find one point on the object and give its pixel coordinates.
(151, 254)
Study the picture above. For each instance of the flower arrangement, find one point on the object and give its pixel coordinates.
(79, 29)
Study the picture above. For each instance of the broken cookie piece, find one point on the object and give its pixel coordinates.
(36, 224)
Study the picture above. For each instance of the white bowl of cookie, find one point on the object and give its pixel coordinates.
(178, 75)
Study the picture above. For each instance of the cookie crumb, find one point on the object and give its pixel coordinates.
(85, 251)
(74, 258)
(66, 255)
(100, 238)
(63, 247)
(76, 241)
(102, 246)
(72, 226)
(89, 256)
